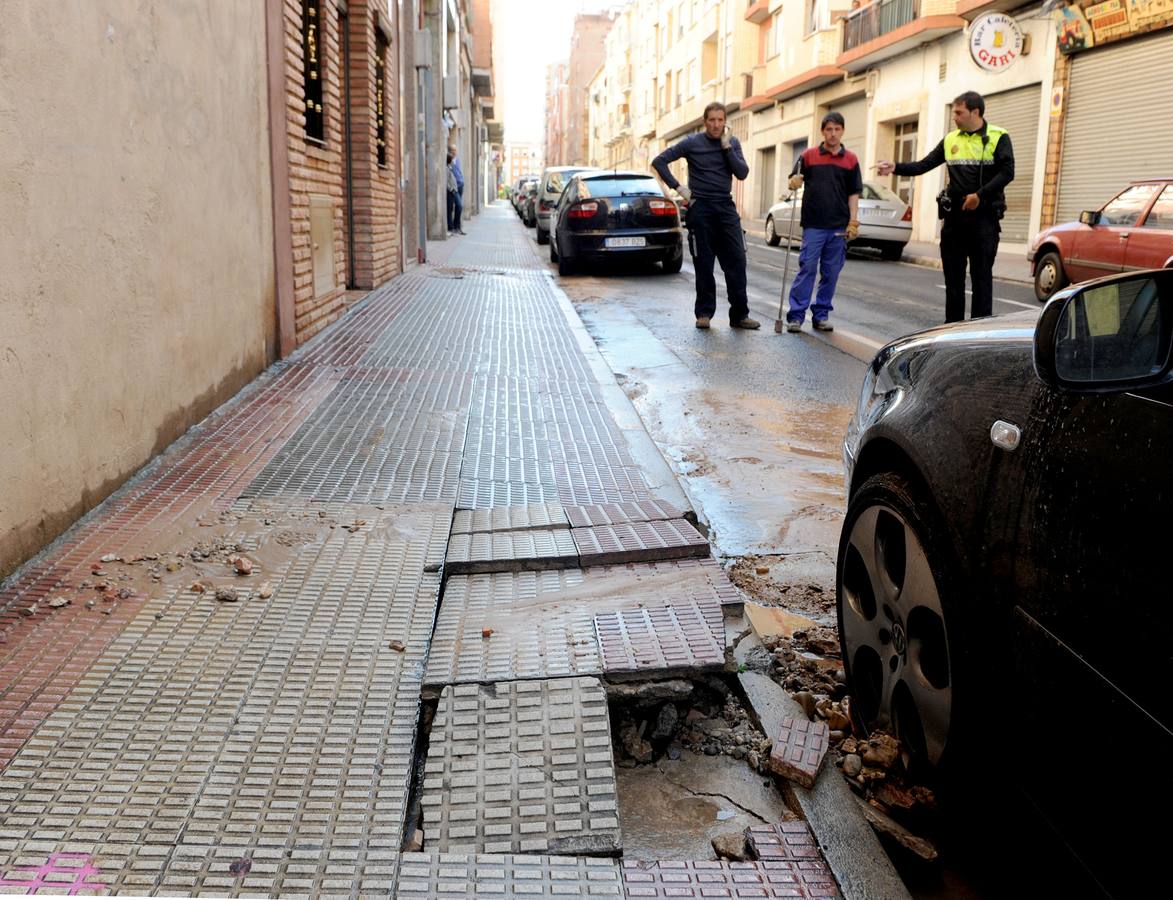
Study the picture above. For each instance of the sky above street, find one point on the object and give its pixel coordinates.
(527, 37)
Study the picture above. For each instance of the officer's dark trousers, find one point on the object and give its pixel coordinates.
(968, 239)
(715, 233)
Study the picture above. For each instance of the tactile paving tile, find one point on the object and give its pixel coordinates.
(237, 724)
(638, 542)
(522, 767)
(727, 879)
(456, 875)
(622, 513)
(509, 518)
(685, 635)
(511, 551)
(784, 840)
(476, 494)
(538, 628)
(542, 624)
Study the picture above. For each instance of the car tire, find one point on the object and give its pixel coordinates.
(553, 249)
(565, 265)
(543, 236)
(772, 236)
(906, 666)
(673, 264)
(892, 251)
(1049, 276)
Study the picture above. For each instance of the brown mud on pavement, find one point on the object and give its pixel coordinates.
(765, 473)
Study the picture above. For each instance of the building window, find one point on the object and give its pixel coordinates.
(312, 47)
(774, 40)
(380, 99)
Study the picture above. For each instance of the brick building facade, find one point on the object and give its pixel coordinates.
(344, 159)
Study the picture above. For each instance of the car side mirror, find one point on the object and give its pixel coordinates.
(1090, 217)
(1108, 336)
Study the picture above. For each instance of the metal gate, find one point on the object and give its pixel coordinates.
(1018, 112)
(1118, 101)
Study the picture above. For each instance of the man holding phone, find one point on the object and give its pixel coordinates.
(714, 226)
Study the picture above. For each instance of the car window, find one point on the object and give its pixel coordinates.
(1161, 215)
(556, 181)
(618, 185)
(878, 192)
(1126, 208)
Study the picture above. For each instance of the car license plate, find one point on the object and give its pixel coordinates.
(626, 242)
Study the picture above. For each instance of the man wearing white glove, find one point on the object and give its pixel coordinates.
(714, 226)
(830, 213)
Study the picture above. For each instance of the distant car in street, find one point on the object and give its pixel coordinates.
(1002, 596)
(551, 183)
(516, 191)
(606, 216)
(528, 202)
(1133, 230)
(885, 221)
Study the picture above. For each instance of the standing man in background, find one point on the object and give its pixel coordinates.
(714, 226)
(455, 192)
(981, 164)
(830, 218)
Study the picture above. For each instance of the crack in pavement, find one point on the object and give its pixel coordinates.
(685, 787)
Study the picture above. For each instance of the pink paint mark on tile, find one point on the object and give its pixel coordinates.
(62, 870)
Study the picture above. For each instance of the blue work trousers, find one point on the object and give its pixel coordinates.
(824, 250)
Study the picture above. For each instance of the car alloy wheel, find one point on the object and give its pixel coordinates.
(893, 621)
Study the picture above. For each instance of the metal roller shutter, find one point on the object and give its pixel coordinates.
(1018, 112)
(1118, 101)
(855, 114)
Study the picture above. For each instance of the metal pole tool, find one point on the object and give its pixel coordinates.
(786, 265)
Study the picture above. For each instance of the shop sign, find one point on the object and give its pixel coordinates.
(1108, 19)
(1073, 30)
(995, 41)
(1142, 13)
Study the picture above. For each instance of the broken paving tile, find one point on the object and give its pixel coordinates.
(799, 751)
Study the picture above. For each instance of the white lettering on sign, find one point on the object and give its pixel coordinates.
(995, 41)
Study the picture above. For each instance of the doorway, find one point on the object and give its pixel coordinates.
(767, 164)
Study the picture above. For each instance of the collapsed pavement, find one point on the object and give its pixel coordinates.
(464, 529)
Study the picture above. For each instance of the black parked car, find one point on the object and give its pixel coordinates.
(611, 215)
(1001, 576)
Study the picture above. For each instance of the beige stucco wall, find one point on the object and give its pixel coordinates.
(136, 252)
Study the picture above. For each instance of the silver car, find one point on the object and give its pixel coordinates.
(553, 180)
(885, 221)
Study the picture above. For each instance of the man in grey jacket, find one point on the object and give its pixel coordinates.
(714, 226)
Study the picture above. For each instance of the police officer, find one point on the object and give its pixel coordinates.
(714, 225)
(981, 164)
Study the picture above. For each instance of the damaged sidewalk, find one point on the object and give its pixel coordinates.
(385, 625)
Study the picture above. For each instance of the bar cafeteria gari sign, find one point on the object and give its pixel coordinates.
(995, 41)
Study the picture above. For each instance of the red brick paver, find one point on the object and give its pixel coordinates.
(799, 750)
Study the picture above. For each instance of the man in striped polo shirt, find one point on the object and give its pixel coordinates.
(830, 213)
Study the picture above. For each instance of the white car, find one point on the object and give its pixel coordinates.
(885, 221)
(550, 187)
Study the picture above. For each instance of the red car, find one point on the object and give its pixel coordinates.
(1133, 230)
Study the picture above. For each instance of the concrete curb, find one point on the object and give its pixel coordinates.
(848, 843)
(658, 474)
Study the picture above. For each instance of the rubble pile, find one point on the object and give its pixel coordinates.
(705, 718)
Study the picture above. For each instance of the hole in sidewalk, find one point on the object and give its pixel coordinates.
(413, 827)
(690, 767)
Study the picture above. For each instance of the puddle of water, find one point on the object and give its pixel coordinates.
(674, 808)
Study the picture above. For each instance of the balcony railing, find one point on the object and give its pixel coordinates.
(877, 18)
